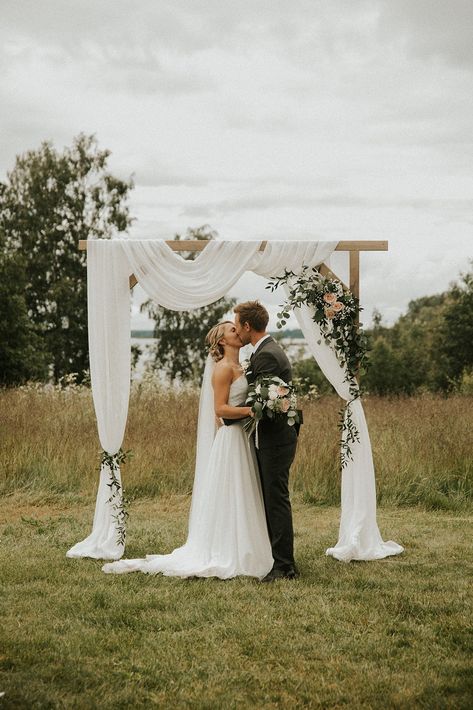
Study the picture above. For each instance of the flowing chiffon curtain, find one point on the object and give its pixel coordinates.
(180, 284)
(108, 303)
(174, 283)
(359, 536)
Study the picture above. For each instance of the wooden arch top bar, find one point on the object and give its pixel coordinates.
(199, 245)
(353, 247)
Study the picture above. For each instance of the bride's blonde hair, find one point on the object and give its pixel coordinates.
(212, 338)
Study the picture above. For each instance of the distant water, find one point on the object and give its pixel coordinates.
(295, 348)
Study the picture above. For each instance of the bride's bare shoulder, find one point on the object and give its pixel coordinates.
(223, 372)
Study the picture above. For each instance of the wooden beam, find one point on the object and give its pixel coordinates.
(355, 273)
(328, 273)
(355, 279)
(352, 247)
(199, 245)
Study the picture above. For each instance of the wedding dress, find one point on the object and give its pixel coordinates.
(227, 526)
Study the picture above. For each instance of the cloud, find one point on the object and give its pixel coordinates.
(280, 201)
(431, 30)
(338, 120)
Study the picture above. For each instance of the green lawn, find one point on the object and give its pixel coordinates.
(389, 634)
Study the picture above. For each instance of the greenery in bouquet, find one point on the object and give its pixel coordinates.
(271, 397)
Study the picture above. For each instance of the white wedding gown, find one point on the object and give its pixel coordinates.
(227, 525)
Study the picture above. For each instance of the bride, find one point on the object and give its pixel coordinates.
(227, 534)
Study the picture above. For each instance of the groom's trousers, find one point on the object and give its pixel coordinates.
(274, 463)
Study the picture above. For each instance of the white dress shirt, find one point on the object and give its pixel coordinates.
(261, 340)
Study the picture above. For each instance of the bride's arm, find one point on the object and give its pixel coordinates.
(222, 379)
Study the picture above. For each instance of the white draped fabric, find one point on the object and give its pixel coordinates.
(359, 536)
(108, 302)
(182, 285)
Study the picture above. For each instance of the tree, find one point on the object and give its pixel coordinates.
(22, 355)
(49, 201)
(455, 346)
(429, 347)
(386, 374)
(309, 375)
(180, 348)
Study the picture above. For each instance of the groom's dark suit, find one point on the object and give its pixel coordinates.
(276, 450)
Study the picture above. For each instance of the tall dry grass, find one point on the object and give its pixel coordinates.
(422, 446)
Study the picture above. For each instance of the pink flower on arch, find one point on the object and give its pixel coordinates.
(337, 306)
(329, 312)
(330, 297)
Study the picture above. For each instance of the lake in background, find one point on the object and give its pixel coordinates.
(295, 348)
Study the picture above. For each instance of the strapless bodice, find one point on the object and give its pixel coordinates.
(238, 390)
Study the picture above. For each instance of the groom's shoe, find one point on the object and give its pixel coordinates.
(275, 574)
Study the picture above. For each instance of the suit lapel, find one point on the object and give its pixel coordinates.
(262, 346)
(253, 356)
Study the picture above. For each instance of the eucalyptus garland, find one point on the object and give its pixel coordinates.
(117, 498)
(335, 310)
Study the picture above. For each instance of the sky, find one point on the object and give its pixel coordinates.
(294, 119)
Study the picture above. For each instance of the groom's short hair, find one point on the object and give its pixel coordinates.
(253, 313)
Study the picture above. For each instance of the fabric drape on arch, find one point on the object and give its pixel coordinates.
(178, 284)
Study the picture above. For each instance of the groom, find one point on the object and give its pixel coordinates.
(276, 440)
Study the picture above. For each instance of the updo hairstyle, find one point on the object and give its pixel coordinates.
(212, 339)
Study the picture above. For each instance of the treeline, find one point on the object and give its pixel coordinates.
(429, 348)
(51, 199)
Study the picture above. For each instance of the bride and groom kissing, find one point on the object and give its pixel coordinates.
(240, 522)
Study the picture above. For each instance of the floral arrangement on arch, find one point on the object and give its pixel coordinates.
(336, 311)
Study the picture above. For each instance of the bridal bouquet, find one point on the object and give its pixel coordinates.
(271, 397)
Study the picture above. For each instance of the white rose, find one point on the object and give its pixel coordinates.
(245, 365)
(273, 392)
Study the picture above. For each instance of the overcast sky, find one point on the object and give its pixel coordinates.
(292, 119)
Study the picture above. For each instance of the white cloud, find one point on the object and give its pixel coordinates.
(281, 120)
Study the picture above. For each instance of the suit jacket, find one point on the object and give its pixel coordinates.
(270, 359)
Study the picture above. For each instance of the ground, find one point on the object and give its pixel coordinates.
(394, 633)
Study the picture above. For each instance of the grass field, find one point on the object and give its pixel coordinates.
(422, 446)
(395, 633)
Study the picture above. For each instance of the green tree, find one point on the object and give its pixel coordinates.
(180, 348)
(429, 347)
(455, 342)
(22, 355)
(386, 374)
(308, 374)
(49, 202)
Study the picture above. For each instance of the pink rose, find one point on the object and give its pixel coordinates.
(329, 312)
(282, 391)
(330, 297)
(285, 404)
(337, 306)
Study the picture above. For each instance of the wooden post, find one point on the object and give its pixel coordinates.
(355, 276)
(355, 289)
(355, 273)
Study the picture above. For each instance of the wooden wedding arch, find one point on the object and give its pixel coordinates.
(352, 247)
(359, 535)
